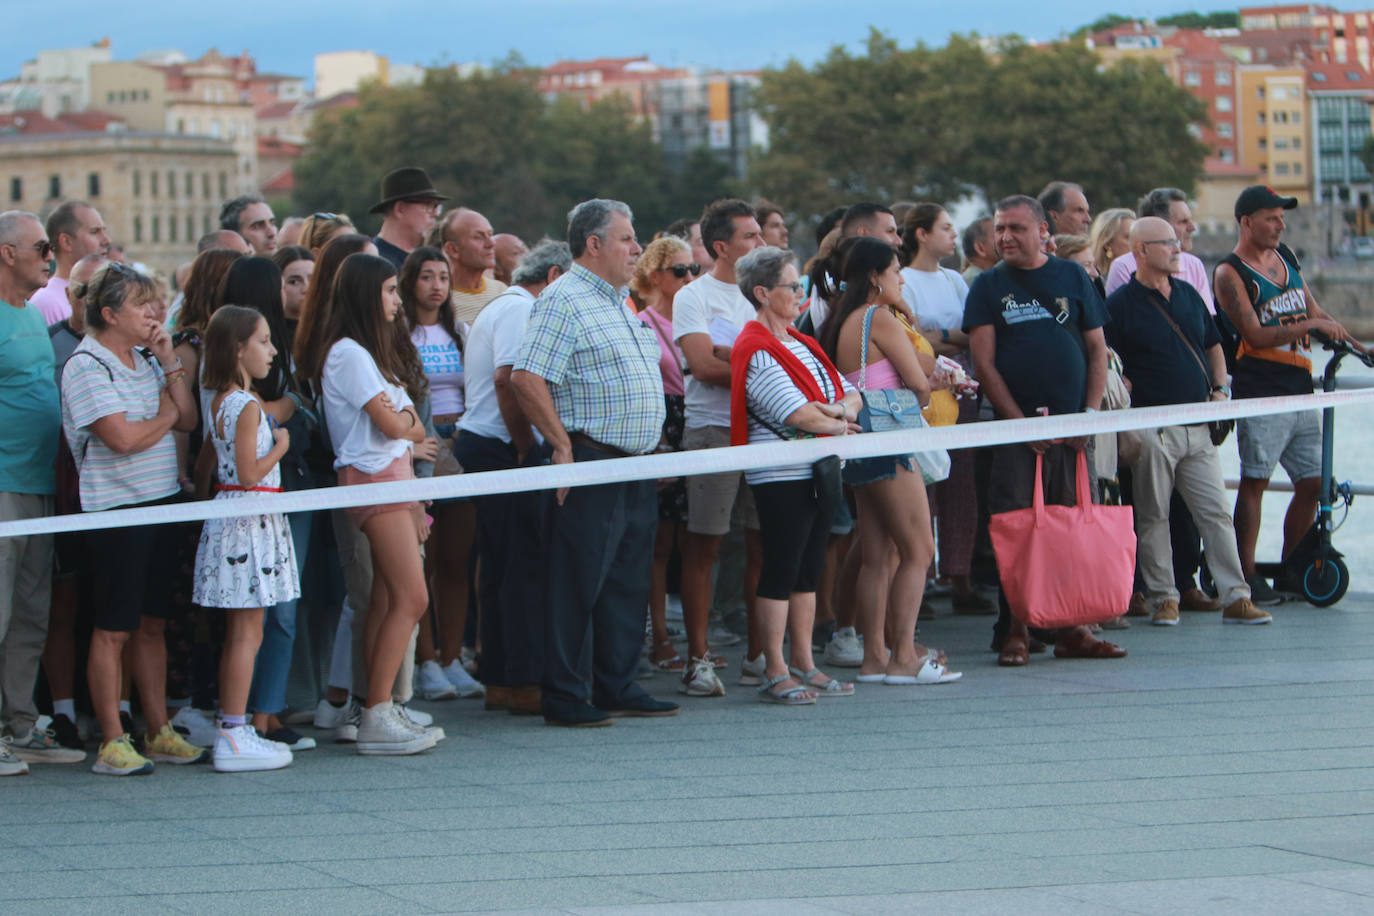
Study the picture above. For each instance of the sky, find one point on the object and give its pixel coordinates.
(724, 34)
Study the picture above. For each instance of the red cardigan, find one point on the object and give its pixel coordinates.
(755, 337)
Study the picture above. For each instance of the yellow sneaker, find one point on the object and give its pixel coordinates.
(167, 746)
(118, 758)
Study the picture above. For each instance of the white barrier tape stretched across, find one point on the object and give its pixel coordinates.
(691, 463)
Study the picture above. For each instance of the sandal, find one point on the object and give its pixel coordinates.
(930, 672)
(674, 663)
(1014, 653)
(1087, 647)
(717, 661)
(830, 687)
(792, 696)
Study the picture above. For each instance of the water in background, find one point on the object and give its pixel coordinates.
(1354, 445)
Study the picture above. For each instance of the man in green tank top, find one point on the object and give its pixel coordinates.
(1260, 288)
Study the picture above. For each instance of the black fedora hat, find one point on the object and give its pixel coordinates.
(406, 183)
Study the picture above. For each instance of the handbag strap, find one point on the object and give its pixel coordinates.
(1187, 344)
(863, 348)
(1081, 485)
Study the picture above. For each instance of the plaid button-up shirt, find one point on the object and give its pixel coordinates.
(601, 364)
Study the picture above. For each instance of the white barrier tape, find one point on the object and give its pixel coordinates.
(691, 463)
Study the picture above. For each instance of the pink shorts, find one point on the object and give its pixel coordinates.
(400, 469)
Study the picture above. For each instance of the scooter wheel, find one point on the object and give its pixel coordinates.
(1324, 581)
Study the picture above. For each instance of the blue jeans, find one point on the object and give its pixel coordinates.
(268, 693)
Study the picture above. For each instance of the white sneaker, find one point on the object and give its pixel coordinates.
(700, 680)
(720, 636)
(346, 732)
(751, 673)
(466, 684)
(329, 716)
(241, 749)
(844, 649)
(421, 720)
(195, 726)
(39, 746)
(10, 765)
(431, 683)
(384, 731)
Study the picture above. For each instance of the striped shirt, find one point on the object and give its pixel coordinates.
(99, 385)
(772, 396)
(601, 363)
(468, 304)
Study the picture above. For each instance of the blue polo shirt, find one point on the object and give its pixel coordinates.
(30, 411)
(1158, 364)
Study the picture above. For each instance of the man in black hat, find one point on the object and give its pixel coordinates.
(1259, 287)
(409, 207)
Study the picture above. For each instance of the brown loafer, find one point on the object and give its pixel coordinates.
(1195, 599)
(498, 698)
(524, 701)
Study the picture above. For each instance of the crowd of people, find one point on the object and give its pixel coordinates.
(310, 355)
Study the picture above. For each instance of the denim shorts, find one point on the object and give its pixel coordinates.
(858, 472)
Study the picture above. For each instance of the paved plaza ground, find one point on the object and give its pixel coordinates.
(1215, 770)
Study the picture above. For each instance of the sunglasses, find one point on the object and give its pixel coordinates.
(794, 286)
(682, 270)
(433, 206)
(329, 216)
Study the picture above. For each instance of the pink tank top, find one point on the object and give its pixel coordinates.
(881, 375)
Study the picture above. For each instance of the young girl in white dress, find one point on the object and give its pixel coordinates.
(247, 563)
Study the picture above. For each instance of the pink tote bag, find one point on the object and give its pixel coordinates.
(1065, 566)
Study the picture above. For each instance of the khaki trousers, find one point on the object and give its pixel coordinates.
(25, 591)
(1183, 458)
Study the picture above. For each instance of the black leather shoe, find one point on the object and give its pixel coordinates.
(642, 707)
(576, 715)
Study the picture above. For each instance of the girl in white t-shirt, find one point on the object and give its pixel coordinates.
(439, 339)
(373, 426)
(247, 563)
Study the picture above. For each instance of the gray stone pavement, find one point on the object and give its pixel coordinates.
(1216, 769)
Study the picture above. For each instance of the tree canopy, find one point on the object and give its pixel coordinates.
(934, 124)
(492, 143)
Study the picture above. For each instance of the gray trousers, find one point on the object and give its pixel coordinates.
(25, 594)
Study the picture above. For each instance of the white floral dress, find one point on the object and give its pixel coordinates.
(247, 561)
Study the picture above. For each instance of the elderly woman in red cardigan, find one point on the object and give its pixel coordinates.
(783, 387)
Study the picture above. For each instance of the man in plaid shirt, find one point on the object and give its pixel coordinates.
(588, 379)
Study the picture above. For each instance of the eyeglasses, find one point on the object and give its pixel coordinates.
(682, 270)
(1172, 243)
(44, 249)
(433, 206)
(794, 286)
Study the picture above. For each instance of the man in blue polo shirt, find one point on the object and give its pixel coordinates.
(1172, 355)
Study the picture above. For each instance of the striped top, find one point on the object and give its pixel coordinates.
(95, 384)
(771, 396)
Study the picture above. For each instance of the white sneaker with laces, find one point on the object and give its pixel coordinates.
(327, 715)
(10, 765)
(241, 750)
(346, 732)
(466, 685)
(195, 726)
(844, 649)
(39, 746)
(384, 731)
(700, 680)
(751, 673)
(432, 684)
(421, 721)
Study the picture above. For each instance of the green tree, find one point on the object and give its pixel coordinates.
(1226, 19)
(1111, 20)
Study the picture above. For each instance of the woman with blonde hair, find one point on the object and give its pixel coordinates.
(1110, 235)
(665, 267)
(319, 229)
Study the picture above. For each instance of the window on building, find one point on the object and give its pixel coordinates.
(1295, 117)
(1318, 77)
(1297, 143)
(1264, 167)
(223, 186)
(1224, 130)
(1280, 143)
(1192, 78)
(171, 228)
(1297, 168)
(190, 228)
(1259, 93)
(138, 228)
(205, 185)
(110, 97)
(205, 223)
(1223, 103)
(1333, 168)
(1263, 144)
(1280, 168)
(171, 184)
(145, 95)
(138, 183)
(190, 186)
(157, 228)
(93, 184)
(215, 128)
(152, 184)
(1226, 154)
(54, 186)
(1280, 117)
(1262, 119)
(16, 189)
(1223, 77)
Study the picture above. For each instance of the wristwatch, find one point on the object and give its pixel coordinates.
(1224, 389)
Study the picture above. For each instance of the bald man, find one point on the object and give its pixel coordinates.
(1172, 355)
(509, 250)
(465, 238)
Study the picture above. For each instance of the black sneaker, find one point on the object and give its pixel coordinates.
(291, 738)
(1261, 594)
(65, 733)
